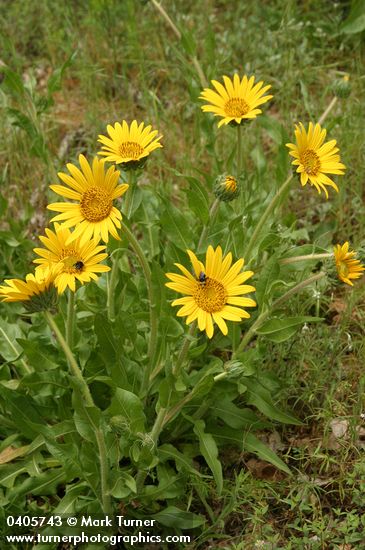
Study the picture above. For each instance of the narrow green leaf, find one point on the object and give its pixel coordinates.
(279, 330)
(260, 397)
(174, 517)
(209, 450)
(253, 445)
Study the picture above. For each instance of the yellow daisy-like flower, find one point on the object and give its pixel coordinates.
(215, 291)
(315, 158)
(17, 290)
(80, 260)
(95, 190)
(347, 267)
(237, 100)
(129, 146)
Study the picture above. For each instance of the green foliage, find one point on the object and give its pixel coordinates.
(180, 443)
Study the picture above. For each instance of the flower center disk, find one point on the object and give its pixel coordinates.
(311, 162)
(236, 107)
(96, 204)
(69, 258)
(210, 296)
(130, 149)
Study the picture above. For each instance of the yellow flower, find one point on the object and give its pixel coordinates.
(37, 291)
(347, 267)
(129, 146)
(80, 261)
(315, 158)
(237, 100)
(214, 292)
(95, 190)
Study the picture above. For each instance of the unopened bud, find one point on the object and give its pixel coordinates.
(226, 187)
(342, 87)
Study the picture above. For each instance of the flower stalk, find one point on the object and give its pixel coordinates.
(89, 402)
(305, 258)
(151, 296)
(70, 318)
(270, 208)
(169, 21)
(327, 111)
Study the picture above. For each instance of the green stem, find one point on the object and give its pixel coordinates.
(70, 319)
(327, 111)
(239, 150)
(270, 207)
(151, 296)
(154, 435)
(262, 318)
(194, 59)
(89, 402)
(130, 193)
(112, 283)
(305, 258)
(184, 350)
(71, 360)
(187, 341)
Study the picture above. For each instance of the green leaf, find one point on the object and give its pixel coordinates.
(188, 42)
(253, 445)
(41, 354)
(106, 340)
(13, 83)
(24, 414)
(55, 80)
(273, 128)
(38, 146)
(176, 226)
(174, 517)
(197, 198)
(355, 22)
(268, 277)
(9, 347)
(279, 330)
(48, 383)
(248, 442)
(44, 484)
(235, 417)
(123, 486)
(67, 505)
(260, 397)
(168, 452)
(209, 450)
(127, 405)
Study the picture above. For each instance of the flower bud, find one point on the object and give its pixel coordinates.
(342, 87)
(226, 187)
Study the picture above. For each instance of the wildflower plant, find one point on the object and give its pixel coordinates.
(141, 393)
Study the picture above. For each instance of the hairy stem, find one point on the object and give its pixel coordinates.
(305, 258)
(239, 150)
(327, 111)
(89, 402)
(154, 435)
(270, 208)
(70, 319)
(194, 59)
(112, 283)
(151, 296)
